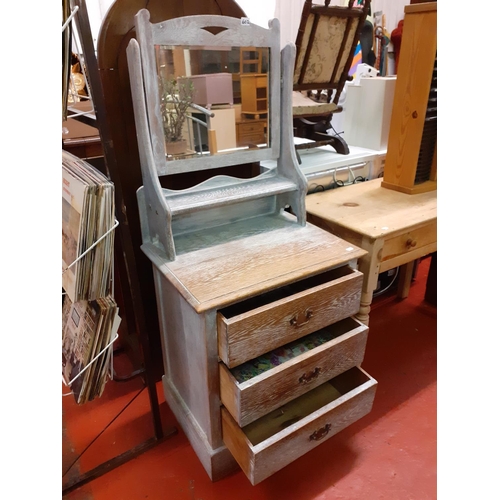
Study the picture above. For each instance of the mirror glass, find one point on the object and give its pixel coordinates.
(213, 100)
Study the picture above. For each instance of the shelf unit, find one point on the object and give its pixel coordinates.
(411, 165)
(254, 99)
(251, 57)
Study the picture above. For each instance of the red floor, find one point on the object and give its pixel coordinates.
(388, 454)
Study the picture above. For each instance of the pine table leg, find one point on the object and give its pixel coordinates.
(369, 265)
(404, 280)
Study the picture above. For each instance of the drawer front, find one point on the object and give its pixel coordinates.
(261, 81)
(271, 443)
(409, 241)
(251, 128)
(291, 313)
(245, 140)
(249, 395)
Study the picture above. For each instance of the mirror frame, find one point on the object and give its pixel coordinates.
(192, 31)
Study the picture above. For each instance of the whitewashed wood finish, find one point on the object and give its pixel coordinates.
(267, 457)
(185, 201)
(190, 358)
(256, 331)
(191, 223)
(224, 265)
(285, 184)
(224, 200)
(208, 162)
(190, 31)
(188, 327)
(228, 240)
(217, 462)
(288, 165)
(250, 400)
(155, 215)
(190, 382)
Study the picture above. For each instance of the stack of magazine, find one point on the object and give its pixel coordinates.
(88, 329)
(88, 209)
(90, 315)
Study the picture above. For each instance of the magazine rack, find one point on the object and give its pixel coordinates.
(91, 362)
(113, 340)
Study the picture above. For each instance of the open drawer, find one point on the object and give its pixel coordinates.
(280, 437)
(255, 326)
(267, 382)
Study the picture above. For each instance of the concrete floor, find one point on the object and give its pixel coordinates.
(388, 454)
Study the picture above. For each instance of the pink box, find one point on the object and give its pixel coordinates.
(216, 88)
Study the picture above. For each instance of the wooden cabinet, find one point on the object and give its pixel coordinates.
(261, 353)
(254, 94)
(411, 163)
(251, 132)
(211, 89)
(257, 327)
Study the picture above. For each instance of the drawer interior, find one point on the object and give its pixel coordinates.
(276, 357)
(286, 291)
(290, 413)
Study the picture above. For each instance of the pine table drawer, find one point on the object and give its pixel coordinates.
(409, 241)
(261, 385)
(277, 439)
(255, 326)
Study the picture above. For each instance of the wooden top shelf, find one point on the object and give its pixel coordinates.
(221, 266)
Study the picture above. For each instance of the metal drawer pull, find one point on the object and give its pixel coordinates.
(320, 433)
(307, 377)
(308, 316)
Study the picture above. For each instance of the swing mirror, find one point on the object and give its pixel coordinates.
(214, 100)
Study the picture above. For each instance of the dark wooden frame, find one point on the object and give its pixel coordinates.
(320, 122)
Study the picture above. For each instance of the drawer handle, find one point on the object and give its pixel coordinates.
(410, 243)
(295, 322)
(320, 433)
(307, 377)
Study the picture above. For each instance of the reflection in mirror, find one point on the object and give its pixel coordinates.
(213, 101)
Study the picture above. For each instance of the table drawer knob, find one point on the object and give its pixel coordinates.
(308, 377)
(295, 322)
(410, 243)
(320, 433)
